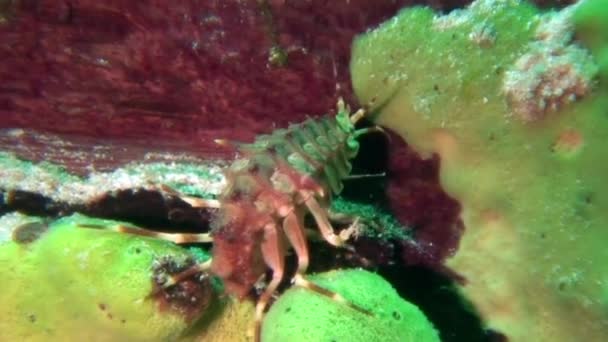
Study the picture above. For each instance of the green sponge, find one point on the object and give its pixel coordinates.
(591, 20)
(303, 315)
(61, 282)
(513, 100)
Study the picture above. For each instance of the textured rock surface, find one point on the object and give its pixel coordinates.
(91, 87)
(534, 192)
(175, 75)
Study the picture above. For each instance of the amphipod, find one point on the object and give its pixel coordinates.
(272, 184)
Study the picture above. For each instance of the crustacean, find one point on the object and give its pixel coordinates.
(271, 186)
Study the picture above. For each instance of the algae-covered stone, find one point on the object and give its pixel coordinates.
(62, 282)
(303, 315)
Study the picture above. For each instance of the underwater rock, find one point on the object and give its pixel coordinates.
(145, 194)
(69, 283)
(418, 201)
(97, 90)
(48, 189)
(533, 192)
(138, 192)
(303, 315)
(156, 77)
(94, 88)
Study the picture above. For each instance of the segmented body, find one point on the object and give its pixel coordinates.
(271, 186)
(269, 181)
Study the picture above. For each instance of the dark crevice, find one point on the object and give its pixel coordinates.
(148, 209)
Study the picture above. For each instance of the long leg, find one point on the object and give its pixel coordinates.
(194, 202)
(299, 280)
(187, 273)
(292, 225)
(173, 237)
(323, 222)
(274, 256)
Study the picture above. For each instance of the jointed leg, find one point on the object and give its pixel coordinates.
(293, 228)
(274, 256)
(178, 238)
(295, 233)
(299, 280)
(194, 202)
(187, 273)
(323, 222)
(173, 237)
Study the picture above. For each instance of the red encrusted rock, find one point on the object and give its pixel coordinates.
(417, 199)
(185, 71)
(93, 85)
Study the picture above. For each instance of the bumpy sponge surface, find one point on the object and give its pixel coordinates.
(303, 315)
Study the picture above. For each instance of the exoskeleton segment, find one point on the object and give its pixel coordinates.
(271, 186)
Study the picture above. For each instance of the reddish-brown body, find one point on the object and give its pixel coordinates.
(271, 186)
(274, 182)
